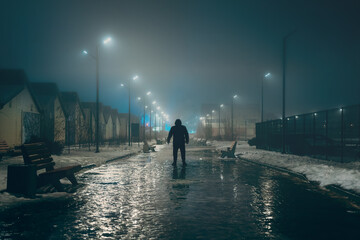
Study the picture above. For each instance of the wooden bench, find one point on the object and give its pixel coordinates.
(4, 148)
(147, 148)
(38, 154)
(230, 152)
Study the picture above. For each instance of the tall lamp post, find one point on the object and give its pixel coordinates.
(129, 117)
(211, 122)
(147, 94)
(262, 96)
(221, 106)
(96, 58)
(151, 111)
(283, 91)
(232, 116)
(156, 115)
(144, 103)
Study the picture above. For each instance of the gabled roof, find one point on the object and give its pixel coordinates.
(107, 113)
(12, 82)
(114, 114)
(47, 92)
(69, 100)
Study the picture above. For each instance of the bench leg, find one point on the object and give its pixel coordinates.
(72, 179)
(57, 184)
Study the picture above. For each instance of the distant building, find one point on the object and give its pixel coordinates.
(19, 109)
(89, 109)
(244, 118)
(76, 130)
(53, 117)
(116, 124)
(108, 123)
(124, 124)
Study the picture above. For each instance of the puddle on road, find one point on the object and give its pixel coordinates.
(144, 198)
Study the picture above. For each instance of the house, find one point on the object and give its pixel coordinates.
(76, 130)
(19, 109)
(124, 124)
(53, 117)
(116, 124)
(108, 123)
(89, 109)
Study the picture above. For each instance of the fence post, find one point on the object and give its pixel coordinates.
(326, 135)
(342, 134)
(314, 125)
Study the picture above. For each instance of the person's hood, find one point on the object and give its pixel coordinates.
(178, 122)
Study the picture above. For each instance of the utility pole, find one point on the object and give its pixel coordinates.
(283, 92)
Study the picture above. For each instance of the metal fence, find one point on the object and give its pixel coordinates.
(331, 134)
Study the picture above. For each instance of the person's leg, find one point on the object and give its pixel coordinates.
(175, 152)
(182, 150)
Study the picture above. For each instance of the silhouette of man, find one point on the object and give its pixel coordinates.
(181, 136)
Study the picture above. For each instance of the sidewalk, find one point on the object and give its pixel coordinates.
(345, 175)
(82, 156)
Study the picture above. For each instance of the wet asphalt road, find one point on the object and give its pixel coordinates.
(144, 197)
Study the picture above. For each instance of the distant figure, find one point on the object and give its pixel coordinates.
(181, 136)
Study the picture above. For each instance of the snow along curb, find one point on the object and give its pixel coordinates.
(335, 188)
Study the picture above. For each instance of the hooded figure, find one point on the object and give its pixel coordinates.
(181, 136)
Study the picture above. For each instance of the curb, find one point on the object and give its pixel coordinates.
(299, 175)
(121, 157)
(353, 196)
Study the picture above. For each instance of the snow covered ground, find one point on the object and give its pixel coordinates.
(346, 175)
(82, 156)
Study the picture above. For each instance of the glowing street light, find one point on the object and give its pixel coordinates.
(129, 117)
(268, 75)
(232, 116)
(221, 106)
(107, 40)
(96, 58)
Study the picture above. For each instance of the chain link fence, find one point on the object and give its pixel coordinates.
(331, 134)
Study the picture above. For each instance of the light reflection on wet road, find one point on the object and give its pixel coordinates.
(146, 198)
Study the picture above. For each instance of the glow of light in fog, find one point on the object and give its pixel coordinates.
(107, 40)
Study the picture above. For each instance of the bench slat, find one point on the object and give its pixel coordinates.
(43, 160)
(38, 156)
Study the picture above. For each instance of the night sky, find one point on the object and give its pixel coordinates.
(190, 52)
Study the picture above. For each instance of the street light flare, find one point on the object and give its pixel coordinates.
(107, 40)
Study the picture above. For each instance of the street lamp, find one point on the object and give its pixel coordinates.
(262, 95)
(283, 90)
(129, 121)
(232, 116)
(145, 107)
(221, 106)
(96, 58)
(151, 111)
(211, 122)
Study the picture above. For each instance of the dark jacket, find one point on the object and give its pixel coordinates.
(180, 133)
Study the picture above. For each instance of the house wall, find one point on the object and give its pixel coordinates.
(80, 125)
(59, 122)
(11, 117)
(109, 129)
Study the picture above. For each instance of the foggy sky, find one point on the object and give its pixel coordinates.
(190, 52)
